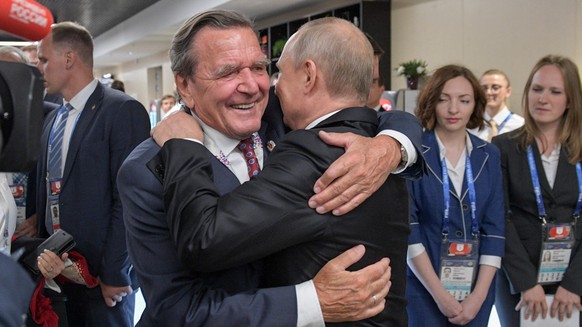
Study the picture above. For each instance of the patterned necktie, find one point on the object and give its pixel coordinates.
(246, 146)
(493, 131)
(56, 143)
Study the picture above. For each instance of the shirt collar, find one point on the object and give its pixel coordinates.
(320, 119)
(215, 141)
(443, 150)
(80, 99)
(500, 117)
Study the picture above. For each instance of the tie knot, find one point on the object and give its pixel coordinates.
(492, 123)
(68, 107)
(245, 144)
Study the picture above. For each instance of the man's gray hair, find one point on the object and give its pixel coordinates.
(183, 52)
(12, 51)
(344, 55)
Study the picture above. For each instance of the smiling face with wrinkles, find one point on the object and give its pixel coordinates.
(230, 88)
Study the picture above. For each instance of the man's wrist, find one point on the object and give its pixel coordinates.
(403, 158)
(308, 308)
(403, 140)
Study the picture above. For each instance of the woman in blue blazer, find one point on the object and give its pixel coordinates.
(457, 225)
(548, 147)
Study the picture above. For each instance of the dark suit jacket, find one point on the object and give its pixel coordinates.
(194, 299)
(269, 214)
(15, 292)
(175, 294)
(523, 239)
(109, 127)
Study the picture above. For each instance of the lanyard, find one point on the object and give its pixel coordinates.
(504, 122)
(538, 191)
(447, 196)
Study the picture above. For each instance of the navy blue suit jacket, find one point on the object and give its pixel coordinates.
(174, 294)
(110, 126)
(15, 292)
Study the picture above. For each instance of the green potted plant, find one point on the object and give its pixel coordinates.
(413, 70)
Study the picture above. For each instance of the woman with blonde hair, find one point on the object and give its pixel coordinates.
(543, 189)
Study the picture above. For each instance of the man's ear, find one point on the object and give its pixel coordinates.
(182, 86)
(310, 70)
(70, 58)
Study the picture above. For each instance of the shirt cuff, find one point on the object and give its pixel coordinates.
(490, 260)
(415, 250)
(405, 141)
(308, 310)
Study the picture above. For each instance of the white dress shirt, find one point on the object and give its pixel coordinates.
(550, 164)
(7, 215)
(514, 122)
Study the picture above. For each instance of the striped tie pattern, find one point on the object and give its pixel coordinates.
(56, 142)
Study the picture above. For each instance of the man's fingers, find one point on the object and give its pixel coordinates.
(336, 201)
(381, 287)
(348, 258)
(334, 171)
(350, 205)
(322, 192)
(341, 140)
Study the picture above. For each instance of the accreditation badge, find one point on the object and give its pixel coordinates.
(54, 212)
(557, 244)
(459, 266)
(55, 185)
(19, 194)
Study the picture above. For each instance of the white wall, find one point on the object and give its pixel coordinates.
(507, 34)
(510, 35)
(135, 77)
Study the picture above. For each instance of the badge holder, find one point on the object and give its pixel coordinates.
(19, 194)
(459, 266)
(557, 244)
(55, 185)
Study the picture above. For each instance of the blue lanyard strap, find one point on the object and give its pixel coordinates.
(447, 196)
(538, 191)
(579, 202)
(536, 184)
(504, 122)
(472, 196)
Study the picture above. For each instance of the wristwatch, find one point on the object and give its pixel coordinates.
(403, 158)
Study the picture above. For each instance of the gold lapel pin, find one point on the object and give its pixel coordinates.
(271, 145)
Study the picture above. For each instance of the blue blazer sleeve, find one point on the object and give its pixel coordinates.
(408, 125)
(176, 295)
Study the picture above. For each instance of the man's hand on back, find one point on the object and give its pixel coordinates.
(352, 295)
(357, 174)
